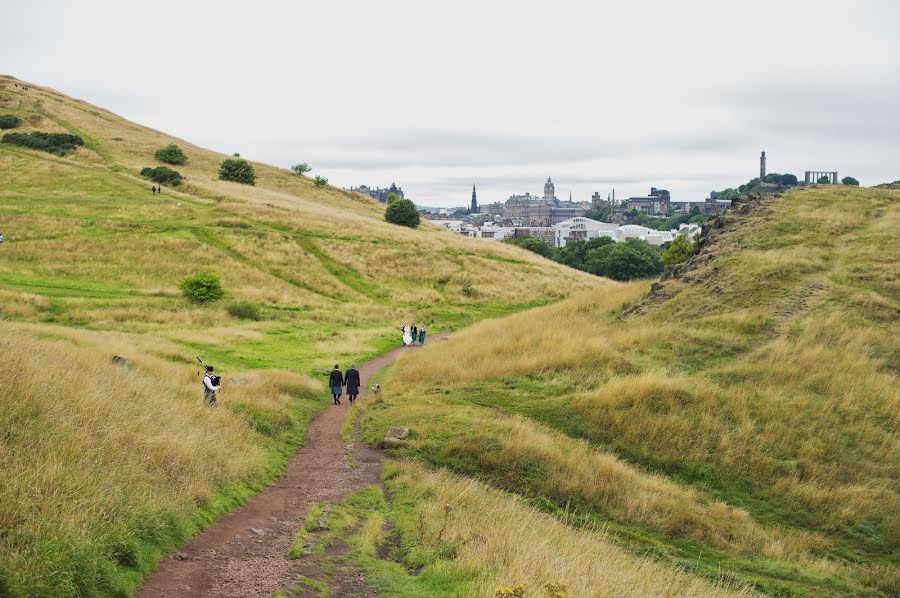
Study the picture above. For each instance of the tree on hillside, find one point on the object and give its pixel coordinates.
(392, 197)
(320, 181)
(575, 252)
(849, 180)
(532, 244)
(788, 180)
(402, 212)
(171, 154)
(624, 261)
(163, 175)
(728, 194)
(600, 214)
(238, 171)
(301, 168)
(679, 250)
(9, 121)
(824, 180)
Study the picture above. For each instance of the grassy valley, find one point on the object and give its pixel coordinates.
(738, 420)
(108, 467)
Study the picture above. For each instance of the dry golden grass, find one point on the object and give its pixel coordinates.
(768, 375)
(494, 531)
(107, 454)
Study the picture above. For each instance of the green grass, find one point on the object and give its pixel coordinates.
(93, 259)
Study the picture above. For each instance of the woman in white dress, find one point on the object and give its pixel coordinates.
(407, 335)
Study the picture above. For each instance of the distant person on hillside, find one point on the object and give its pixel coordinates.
(153, 189)
(407, 336)
(422, 335)
(2, 238)
(336, 382)
(351, 379)
(415, 334)
(211, 387)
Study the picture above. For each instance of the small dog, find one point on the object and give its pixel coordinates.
(376, 389)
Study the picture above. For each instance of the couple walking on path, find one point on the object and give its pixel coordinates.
(411, 334)
(338, 380)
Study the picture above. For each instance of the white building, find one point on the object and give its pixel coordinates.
(583, 229)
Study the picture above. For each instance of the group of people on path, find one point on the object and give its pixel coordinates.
(338, 380)
(411, 334)
(156, 190)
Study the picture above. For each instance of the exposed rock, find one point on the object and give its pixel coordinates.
(121, 362)
(396, 433)
(182, 556)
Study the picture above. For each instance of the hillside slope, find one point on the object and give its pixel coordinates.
(739, 420)
(107, 467)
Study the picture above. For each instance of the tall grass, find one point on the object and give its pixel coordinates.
(763, 382)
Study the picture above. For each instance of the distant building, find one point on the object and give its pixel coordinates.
(379, 193)
(549, 191)
(762, 166)
(583, 229)
(655, 204)
(474, 207)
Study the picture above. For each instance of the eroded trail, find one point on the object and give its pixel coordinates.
(244, 552)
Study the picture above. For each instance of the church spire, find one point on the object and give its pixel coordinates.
(474, 207)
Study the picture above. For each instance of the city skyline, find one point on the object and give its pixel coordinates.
(681, 97)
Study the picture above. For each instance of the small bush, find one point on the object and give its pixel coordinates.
(55, 143)
(163, 175)
(320, 181)
(202, 287)
(9, 121)
(402, 212)
(244, 310)
(301, 168)
(237, 170)
(679, 250)
(171, 154)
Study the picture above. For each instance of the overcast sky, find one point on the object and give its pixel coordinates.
(598, 95)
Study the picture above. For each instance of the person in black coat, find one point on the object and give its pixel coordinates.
(351, 379)
(336, 382)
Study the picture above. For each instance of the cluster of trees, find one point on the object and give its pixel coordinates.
(849, 180)
(171, 154)
(9, 121)
(604, 213)
(620, 261)
(163, 175)
(58, 144)
(402, 212)
(237, 170)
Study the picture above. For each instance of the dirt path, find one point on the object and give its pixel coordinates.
(244, 552)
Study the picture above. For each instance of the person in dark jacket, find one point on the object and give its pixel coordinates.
(351, 379)
(415, 334)
(336, 381)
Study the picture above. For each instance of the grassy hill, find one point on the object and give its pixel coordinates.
(739, 419)
(107, 467)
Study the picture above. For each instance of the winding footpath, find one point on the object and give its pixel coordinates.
(243, 554)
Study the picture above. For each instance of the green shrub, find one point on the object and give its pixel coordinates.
(402, 212)
(202, 287)
(163, 175)
(849, 180)
(679, 250)
(171, 154)
(624, 261)
(9, 121)
(244, 310)
(320, 181)
(532, 244)
(237, 170)
(301, 168)
(55, 143)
